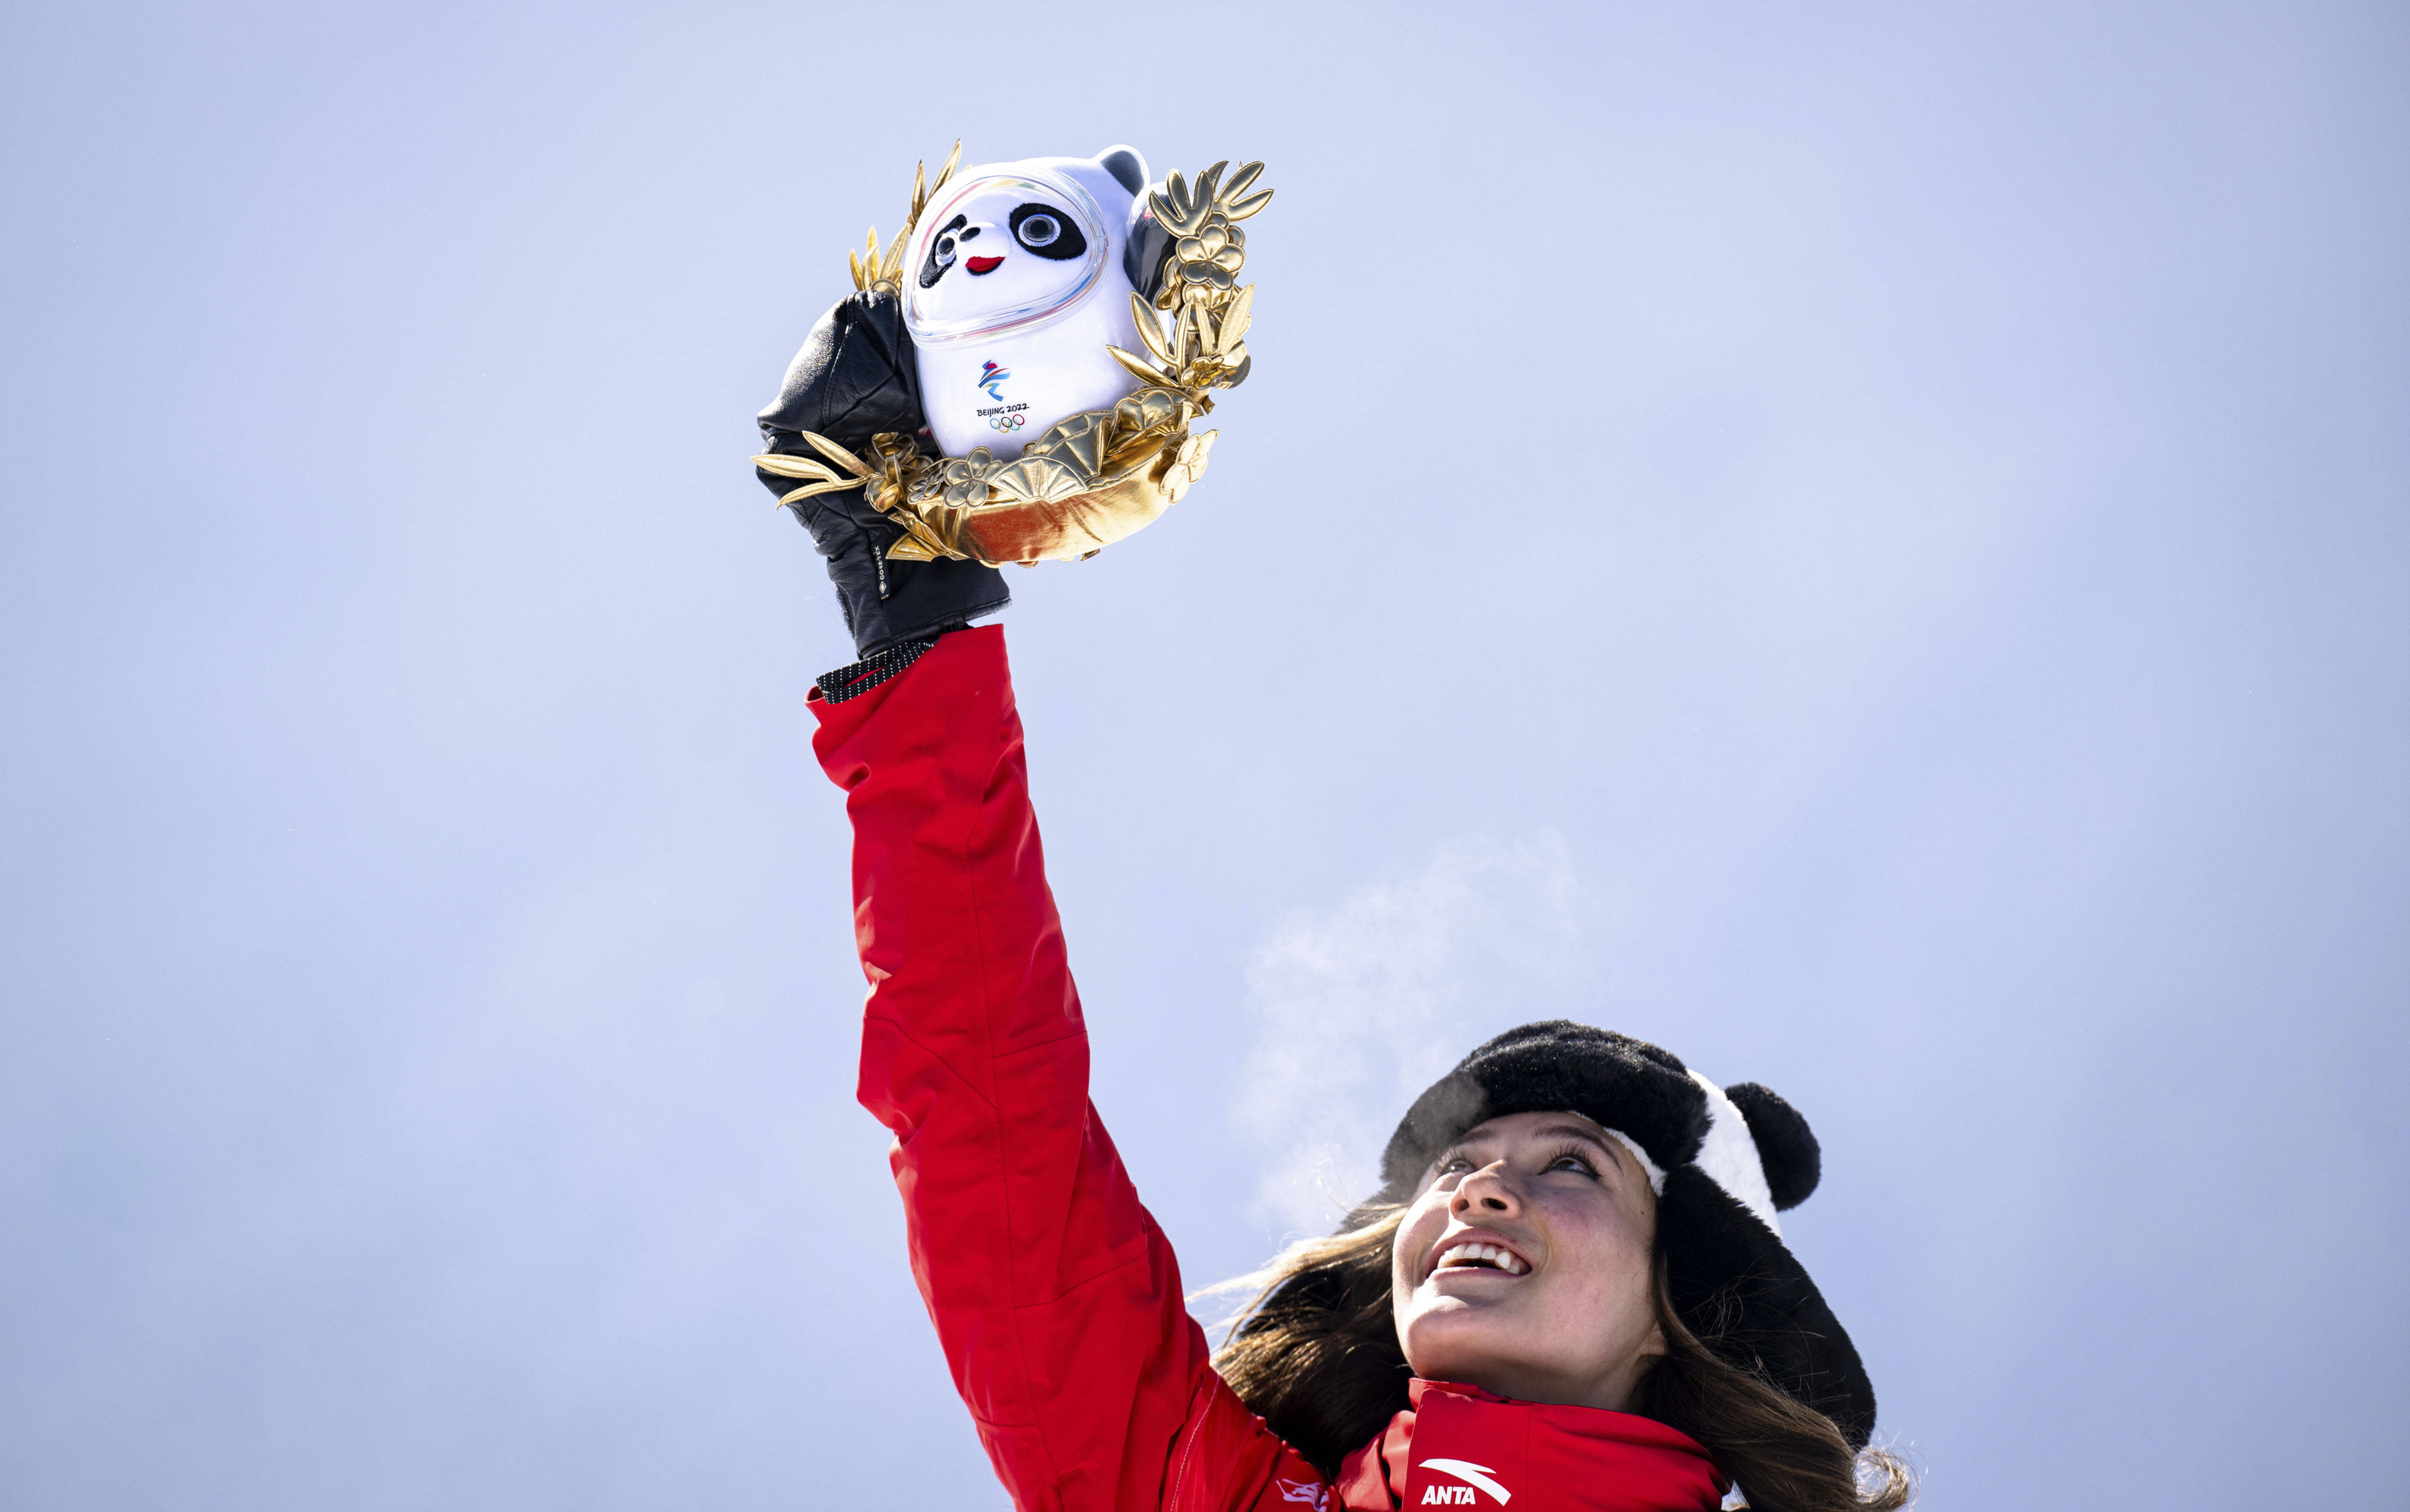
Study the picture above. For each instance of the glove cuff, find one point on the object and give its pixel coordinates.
(886, 603)
(859, 677)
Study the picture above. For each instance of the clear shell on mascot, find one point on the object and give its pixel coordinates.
(1069, 323)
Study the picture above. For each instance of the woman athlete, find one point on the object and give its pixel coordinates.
(1571, 1292)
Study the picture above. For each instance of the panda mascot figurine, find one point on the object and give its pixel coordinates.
(1013, 380)
(1019, 281)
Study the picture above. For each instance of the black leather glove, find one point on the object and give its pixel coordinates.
(855, 378)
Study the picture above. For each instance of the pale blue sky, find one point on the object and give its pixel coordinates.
(1864, 542)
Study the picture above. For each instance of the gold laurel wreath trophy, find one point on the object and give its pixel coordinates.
(1094, 477)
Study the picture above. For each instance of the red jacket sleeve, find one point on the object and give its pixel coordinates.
(1055, 1296)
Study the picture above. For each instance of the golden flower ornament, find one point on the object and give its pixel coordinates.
(1210, 249)
(962, 481)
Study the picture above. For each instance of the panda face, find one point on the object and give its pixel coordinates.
(1037, 228)
(1003, 250)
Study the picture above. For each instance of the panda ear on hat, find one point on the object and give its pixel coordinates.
(1786, 1147)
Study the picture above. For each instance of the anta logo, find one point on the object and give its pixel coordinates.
(991, 375)
(1302, 1492)
(1472, 1475)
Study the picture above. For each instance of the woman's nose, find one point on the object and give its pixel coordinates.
(1487, 1190)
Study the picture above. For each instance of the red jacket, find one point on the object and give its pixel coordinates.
(1056, 1295)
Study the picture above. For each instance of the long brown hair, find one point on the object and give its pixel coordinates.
(1317, 1356)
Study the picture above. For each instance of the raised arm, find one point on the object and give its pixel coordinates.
(1056, 1296)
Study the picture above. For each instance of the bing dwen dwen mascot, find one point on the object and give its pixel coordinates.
(1014, 379)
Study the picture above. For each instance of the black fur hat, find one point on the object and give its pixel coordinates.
(1723, 1160)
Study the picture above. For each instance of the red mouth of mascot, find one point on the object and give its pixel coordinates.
(983, 264)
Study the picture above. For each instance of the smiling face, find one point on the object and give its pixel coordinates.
(1523, 1264)
(1004, 243)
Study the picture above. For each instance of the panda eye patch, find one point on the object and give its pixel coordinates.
(1047, 232)
(941, 251)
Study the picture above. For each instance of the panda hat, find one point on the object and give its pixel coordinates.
(1017, 277)
(1723, 1161)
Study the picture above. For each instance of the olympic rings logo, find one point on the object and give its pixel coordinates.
(1009, 422)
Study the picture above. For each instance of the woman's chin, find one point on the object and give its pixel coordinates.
(1457, 1330)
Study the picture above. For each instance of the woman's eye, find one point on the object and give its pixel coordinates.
(945, 251)
(1572, 1162)
(1040, 231)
